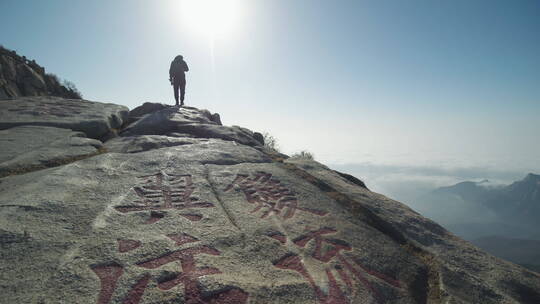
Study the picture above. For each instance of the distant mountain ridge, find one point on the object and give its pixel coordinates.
(519, 201)
(501, 219)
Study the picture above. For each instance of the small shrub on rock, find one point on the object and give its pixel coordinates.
(270, 141)
(304, 154)
(76, 94)
(54, 77)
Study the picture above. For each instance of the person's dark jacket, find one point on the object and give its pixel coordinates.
(178, 68)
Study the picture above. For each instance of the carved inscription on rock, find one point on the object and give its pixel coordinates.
(188, 276)
(161, 191)
(269, 196)
(348, 269)
(108, 276)
(155, 193)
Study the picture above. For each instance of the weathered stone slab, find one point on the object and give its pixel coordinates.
(135, 144)
(151, 107)
(199, 123)
(210, 150)
(165, 120)
(145, 109)
(153, 228)
(95, 119)
(31, 147)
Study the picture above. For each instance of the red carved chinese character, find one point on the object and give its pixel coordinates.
(108, 277)
(162, 191)
(334, 296)
(269, 195)
(325, 250)
(189, 277)
(128, 245)
(336, 245)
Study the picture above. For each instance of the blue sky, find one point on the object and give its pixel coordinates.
(428, 83)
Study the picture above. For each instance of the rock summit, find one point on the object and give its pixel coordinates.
(159, 204)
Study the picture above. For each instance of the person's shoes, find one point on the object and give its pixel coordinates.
(182, 103)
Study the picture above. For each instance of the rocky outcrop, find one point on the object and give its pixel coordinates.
(206, 214)
(22, 77)
(94, 119)
(42, 132)
(190, 121)
(27, 148)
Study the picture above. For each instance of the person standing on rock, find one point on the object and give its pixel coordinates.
(177, 77)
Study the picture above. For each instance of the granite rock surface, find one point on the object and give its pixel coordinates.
(176, 214)
(26, 148)
(191, 121)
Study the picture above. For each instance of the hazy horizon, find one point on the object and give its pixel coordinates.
(399, 84)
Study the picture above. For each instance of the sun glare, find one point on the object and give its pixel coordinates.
(216, 18)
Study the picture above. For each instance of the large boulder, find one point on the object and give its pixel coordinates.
(28, 148)
(190, 114)
(191, 121)
(94, 119)
(144, 109)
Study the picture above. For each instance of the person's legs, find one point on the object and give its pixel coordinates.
(182, 90)
(175, 88)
